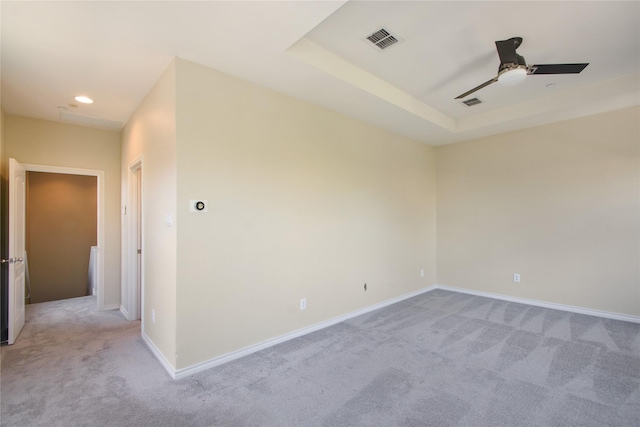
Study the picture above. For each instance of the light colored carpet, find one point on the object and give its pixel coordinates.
(439, 359)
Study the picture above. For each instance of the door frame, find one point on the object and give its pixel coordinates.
(135, 271)
(99, 174)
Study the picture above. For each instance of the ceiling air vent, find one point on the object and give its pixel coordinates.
(471, 102)
(383, 39)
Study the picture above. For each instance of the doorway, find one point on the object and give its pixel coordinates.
(61, 230)
(99, 249)
(13, 293)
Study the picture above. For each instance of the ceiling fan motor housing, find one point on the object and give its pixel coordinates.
(521, 63)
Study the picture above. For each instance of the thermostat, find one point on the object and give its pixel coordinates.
(198, 206)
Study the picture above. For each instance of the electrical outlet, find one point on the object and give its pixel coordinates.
(516, 278)
(422, 273)
(153, 315)
(303, 304)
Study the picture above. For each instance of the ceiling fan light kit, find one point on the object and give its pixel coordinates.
(512, 76)
(513, 67)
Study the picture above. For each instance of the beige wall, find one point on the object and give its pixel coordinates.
(61, 227)
(306, 203)
(303, 203)
(558, 204)
(43, 142)
(150, 136)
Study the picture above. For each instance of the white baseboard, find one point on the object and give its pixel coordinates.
(225, 358)
(216, 361)
(158, 354)
(110, 307)
(124, 312)
(563, 307)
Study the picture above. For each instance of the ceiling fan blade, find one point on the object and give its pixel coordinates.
(485, 84)
(507, 50)
(557, 68)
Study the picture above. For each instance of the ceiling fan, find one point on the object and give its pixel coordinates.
(513, 67)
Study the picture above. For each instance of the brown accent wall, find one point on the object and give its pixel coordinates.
(61, 228)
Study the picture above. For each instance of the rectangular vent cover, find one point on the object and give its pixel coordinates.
(471, 102)
(383, 39)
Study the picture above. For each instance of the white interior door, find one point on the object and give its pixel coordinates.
(17, 188)
(138, 227)
(134, 295)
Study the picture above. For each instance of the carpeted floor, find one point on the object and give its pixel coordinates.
(439, 359)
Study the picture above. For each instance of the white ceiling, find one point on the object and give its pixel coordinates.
(316, 51)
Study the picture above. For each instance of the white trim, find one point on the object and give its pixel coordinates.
(158, 354)
(551, 305)
(110, 307)
(216, 361)
(99, 174)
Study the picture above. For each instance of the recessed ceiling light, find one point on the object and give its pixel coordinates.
(84, 99)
